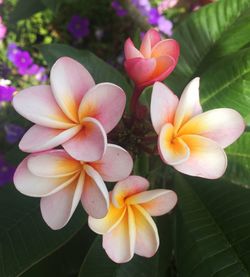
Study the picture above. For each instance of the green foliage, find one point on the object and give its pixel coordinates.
(212, 229)
(25, 239)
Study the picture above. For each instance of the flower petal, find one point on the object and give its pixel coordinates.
(150, 39)
(120, 242)
(89, 144)
(140, 70)
(39, 138)
(104, 102)
(163, 106)
(156, 202)
(172, 150)
(207, 159)
(127, 187)
(164, 66)
(224, 126)
(38, 105)
(115, 165)
(29, 184)
(147, 238)
(167, 47)
(53, 164)
(58, 208)
(107, 223)
(95, 196)
(70, 81)
(130, 51)
(189, 104)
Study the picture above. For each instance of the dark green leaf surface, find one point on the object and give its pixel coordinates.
(24, 236)
(212, 229)
(24, 9)
(205, 36)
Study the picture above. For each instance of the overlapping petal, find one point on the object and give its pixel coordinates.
(131, 51)
(156, 202)
(223, 126)
(127, 187)
(39, 138)
(104, 102)
(147, 238)
(53, 164)
(207, 159)
(189, 104)
(70, 81)
(120, 242)
(90, 143)
(95, 197)
(163, 106)
(58, 208)
(167, 47)
(115, 165)
(38, 105)
(173, 150)
(29, 184)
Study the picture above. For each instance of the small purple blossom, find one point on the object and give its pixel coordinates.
(165, 26)
(22, 60)
(13, 132)
(6, 172)
(12, 51)
(119, 10)
(153, 16)
(3, 29)
(78, 27)
(6, 91)
(41, 75)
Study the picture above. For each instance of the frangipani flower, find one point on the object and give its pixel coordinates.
(191, 140)
(62, 182)
(154, 61)
(128, 227)
(73, 111)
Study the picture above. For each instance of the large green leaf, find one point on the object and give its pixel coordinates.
(213, 226)
(239, 161)
(101, 71)
(97, 263)
(207, 35)
(24, 9)
(25, 238)
(227, 84)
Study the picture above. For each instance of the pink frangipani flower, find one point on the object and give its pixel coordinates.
(128, 227)
(154, 61)
(62, 182)
(190, 140)
(73, 111)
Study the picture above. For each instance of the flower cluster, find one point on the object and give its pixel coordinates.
(75, 115)
(24, 63)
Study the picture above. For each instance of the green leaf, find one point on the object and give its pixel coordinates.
(101, 71)
(97, 263)
(25, 238)
(24, 9)
(239, 161)
(227, 84)
(214, 31)
(212, 229)
(54, 5)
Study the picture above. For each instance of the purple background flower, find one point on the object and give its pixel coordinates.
(13, 132)
(6, 93)
(119, 10)
(78, 27)
(6, 172)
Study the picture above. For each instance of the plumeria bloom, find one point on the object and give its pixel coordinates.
(190, 140)
(73, 111)
(62, 182)
(154, 61)
(128, 227)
